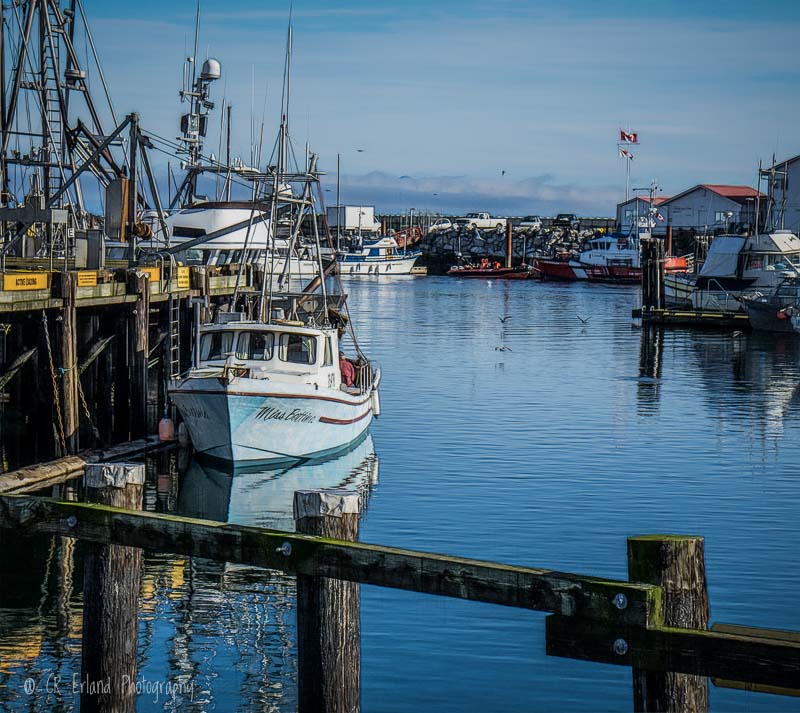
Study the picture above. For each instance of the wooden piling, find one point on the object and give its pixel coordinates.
(112, 576)
(328, 611)
(139, 348)
(68, 360)
(509, 243)
(676, 563)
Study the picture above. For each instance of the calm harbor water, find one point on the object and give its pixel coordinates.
(547, 454)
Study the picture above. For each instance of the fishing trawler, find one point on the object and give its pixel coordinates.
(270, 382)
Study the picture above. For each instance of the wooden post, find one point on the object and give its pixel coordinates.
(68, 360)
(677, 564)
(328, 611)
(112, 576)
(509, 242)
(139, 347)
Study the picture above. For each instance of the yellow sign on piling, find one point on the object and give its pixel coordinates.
(154, 273)
(184, 280)
(87, 278)
(26, 280)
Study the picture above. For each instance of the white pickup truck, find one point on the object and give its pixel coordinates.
(482, 221)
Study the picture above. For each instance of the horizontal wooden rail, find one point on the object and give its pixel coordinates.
(758, 656)
(32, 478)
(524, 587)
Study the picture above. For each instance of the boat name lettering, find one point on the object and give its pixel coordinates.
(267, 413)
(195, 412)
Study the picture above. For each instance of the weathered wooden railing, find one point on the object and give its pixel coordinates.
(656, 625)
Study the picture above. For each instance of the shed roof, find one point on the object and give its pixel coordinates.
(738, 194)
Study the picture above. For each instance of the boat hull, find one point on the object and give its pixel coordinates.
(257, 420)
(563, 270)
(357, 267)
(768, 316)
(501, 273)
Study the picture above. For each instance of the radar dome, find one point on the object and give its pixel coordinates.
(212, 70)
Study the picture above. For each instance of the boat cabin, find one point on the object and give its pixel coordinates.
(281, 351)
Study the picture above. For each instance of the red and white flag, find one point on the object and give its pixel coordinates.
(627, 138)
(659, 216)
(624, 153)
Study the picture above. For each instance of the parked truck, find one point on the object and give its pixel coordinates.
(482, 221)
(353, 219)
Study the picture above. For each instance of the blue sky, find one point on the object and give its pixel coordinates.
(443, 97)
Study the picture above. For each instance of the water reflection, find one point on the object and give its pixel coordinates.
(263, 497)
(211, 634)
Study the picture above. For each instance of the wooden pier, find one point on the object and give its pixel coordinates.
(86, 353)
(656, 622)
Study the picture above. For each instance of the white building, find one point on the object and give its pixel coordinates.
(635, 208)
(713, 208)
(787, 194)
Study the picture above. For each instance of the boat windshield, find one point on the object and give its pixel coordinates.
(216, 345)
(255, 345)
(298, 349)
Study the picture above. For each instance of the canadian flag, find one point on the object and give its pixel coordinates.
(627, 138)
(624, 153)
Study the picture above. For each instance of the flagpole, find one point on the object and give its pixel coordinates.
(627, 178)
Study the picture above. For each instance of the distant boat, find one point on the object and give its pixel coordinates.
(613, 258)
(380, 256)
(486, 270)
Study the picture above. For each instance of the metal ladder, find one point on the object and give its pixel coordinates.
(52, 108)
(174, 337)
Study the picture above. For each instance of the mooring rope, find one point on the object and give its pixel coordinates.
(56, 398)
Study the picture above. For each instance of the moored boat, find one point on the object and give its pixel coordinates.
(737, 265)
(772, 312)
(380, 256)
(273, 392)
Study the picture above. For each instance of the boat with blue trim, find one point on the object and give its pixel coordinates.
(379, 256)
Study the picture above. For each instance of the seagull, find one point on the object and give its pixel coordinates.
(737, 334)
(583, 320)
(505, 319)
(360, 150)
(503, 349)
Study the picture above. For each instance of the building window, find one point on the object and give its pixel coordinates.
(629, 214)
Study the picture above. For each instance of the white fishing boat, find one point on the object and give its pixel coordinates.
(273, 392)
(269, 383)
(380, 256)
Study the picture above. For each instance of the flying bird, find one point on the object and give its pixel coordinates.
(505, 319)
(360, 150)
(583, 320)
(503, 349)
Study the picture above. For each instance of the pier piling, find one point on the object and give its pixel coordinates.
(328, 611)
(112, 576)
(675, 563)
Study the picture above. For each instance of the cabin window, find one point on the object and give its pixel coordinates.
(216, 345)
(298, 349)
(255, 345)
(328, 352)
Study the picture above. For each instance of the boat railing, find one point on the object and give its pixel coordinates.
(365, 375)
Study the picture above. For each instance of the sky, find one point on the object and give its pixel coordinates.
(510, 107)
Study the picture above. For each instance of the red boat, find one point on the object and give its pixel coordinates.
(489, 270)
(613, 259)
